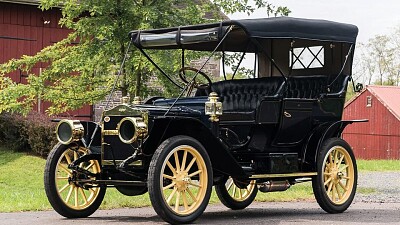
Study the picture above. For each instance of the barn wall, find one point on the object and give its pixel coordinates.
(377, 139)
(25, 30)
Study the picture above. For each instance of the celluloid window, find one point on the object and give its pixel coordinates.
(307, 57)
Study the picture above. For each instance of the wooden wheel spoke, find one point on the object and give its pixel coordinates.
(340, 160)
(333, 193)
(184, 160)
(89, 166)
(338, 191)
(234, 191)
(178, 167)
(190, 164)
(62, 178)
(196, 185)
(76, 155)
(69, 161)
(191, 195)
(63, 188)
(336, 156)
(64, 168)
(76, 196)
(171, 167)
(195, 173)
(83, 195)
(171, 195)
(69, 193)
(327, 181)
(185, 202)
(230, 185)
(343, 168)
(178, 197)
(343, 186)
(169, 186)
(168, 176)
(330, 159)
(330, 187)
(240, 193)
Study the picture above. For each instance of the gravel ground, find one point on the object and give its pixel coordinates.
(385, 186)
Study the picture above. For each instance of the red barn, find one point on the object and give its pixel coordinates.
(380, 137)
(25, 30)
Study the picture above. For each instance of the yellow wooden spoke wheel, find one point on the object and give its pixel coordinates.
(338, 175)
(236, 194)
(335, 184)
(72, 194)
(64, 187)
(180, 179)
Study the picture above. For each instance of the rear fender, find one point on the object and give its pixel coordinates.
(318, 136)
(166, 127)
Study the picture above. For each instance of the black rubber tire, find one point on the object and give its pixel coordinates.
(230, 202)
(318, 181)
(156, 196)
(51, 189)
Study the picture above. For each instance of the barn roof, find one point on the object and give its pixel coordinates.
(389, 96)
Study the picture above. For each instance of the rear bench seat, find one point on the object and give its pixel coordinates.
(240, 98)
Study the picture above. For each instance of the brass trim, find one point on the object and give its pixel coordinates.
(284, 175)
(110, 132)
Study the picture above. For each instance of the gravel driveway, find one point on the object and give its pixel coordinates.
(385, 187)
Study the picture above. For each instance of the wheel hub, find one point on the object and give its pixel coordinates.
(182, 181)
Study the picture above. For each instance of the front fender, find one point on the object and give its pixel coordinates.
(165, 127)
(318, 136)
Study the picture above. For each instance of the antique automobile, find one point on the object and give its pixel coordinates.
(280, 126)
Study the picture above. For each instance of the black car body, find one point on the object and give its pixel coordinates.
(279, 128)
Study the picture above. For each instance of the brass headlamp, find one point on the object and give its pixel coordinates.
(131, 128)
(69, 131)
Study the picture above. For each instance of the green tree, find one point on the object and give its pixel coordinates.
(378, 61)
(83, 73)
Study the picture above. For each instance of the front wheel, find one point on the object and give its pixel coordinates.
(335, 184)
(66, 194)
(180, 180)
(236, 194)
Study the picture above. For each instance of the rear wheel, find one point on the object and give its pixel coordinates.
(236, 194)
(68, 197)
(335, 184)
(180, 180)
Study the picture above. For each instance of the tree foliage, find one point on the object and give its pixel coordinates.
(82, 67)
(378, 60)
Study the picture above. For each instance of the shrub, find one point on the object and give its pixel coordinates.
(33, 133)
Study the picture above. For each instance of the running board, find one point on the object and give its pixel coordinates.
(309, 174)
(115, 182)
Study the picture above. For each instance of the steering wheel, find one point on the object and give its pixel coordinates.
(186, 80)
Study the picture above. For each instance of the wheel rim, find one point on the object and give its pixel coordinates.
(338, 175)
(237, 193)
(69, 192)
(184, 180)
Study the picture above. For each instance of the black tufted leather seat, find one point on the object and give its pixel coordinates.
(309, 87)
(240, 98)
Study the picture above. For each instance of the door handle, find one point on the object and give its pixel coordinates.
(287, 114)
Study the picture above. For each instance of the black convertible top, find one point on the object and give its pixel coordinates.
(202, 36)
(287, 27)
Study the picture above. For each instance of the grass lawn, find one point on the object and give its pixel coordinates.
(21, 185)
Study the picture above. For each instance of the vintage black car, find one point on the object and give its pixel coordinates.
(279, 127)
